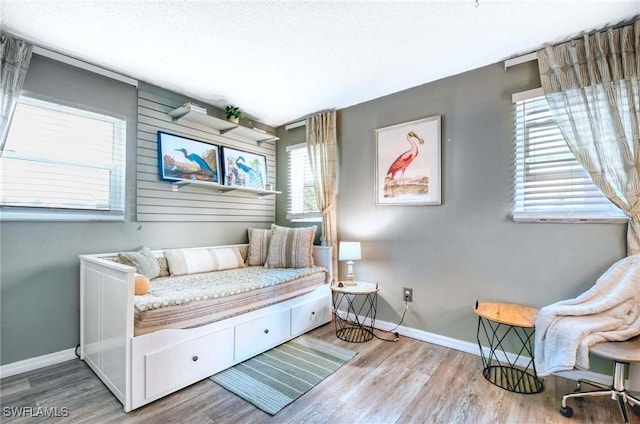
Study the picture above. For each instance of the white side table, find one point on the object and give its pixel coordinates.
(355, 307)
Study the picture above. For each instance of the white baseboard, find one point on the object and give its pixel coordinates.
(35, 363)
(473, 348)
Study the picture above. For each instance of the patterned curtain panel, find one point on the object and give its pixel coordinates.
(591, 85)
(15, 56)
(323, 155)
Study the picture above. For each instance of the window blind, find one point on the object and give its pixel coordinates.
(301, 197)
(60, 159)
(550, 184)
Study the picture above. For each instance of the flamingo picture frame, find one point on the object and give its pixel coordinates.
(408, 163)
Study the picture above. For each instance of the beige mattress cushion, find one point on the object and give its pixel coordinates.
(198, 299)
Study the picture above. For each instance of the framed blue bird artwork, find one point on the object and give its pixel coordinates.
(182, 158)
(244, 169)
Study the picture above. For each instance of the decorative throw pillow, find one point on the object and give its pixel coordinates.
(291, 247)
(188, 261)
(191, 261)
(111, 258)
(259, 239)
(164, 267)
(144, 261)
(244, 251)
(141, 284)
(226, 258)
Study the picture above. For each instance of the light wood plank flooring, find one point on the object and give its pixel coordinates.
(408, 381)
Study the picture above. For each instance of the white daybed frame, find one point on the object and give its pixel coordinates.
(141, 369)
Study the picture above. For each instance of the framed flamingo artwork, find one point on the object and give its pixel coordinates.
(408, 163)
(244, 169)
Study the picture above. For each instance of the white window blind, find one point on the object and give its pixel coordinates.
(550, 184)
(301, 198)
(61, 162)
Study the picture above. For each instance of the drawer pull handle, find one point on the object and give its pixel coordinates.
(266, 331)
(195, 358)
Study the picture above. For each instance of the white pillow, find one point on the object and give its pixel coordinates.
(226, 258)
(191, 261)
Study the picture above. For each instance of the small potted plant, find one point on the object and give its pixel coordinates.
(233, 114)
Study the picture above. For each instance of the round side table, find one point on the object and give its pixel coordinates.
(495, 322)
(355, 307)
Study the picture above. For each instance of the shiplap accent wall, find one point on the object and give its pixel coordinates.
(156, 201)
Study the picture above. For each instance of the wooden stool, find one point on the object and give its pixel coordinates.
(496, 321)
(622, 353)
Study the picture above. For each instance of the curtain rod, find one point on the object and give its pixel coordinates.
(534, 55)
(295, 125)
(520, 59)
(303, 122)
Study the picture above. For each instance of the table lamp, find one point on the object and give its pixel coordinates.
(349, 251)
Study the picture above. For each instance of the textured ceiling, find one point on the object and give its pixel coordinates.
(281, 60)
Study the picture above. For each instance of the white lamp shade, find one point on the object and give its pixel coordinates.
(349, 251)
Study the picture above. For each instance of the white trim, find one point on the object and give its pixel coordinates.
(296, 146)
(23, 214)
(37, 362)
(569, 217)
(525, 95)
(295, 125)
(520, 59)
(84, 65)
(586, 375)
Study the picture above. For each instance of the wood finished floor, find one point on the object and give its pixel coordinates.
(408, 381)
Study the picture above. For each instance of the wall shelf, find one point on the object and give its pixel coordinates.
(224, 127)
(177, 185)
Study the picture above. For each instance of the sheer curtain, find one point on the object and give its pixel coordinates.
(591, 85)
(15, 56)
(323, 156)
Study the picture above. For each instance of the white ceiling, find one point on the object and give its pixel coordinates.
(281, 60)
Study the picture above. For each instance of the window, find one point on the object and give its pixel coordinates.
(301, 201)
(550, 184)
(62, 163)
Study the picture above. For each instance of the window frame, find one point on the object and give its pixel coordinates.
(520, 213)
(315, 216)
(117, 186)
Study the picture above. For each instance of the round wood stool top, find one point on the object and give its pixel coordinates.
(355, 287)
(627, 351)
(508, 313)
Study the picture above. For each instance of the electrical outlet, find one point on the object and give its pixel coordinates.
(407, 294)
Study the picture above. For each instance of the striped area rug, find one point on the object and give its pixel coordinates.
(274, 379)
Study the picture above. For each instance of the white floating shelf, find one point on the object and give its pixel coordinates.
(220, 188)
(186, 113)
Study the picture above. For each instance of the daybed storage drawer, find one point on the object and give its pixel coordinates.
(187, 362)
(258, 335)
(309, 315)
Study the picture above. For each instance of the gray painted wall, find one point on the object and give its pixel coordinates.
(39, 267)
(465, 250)
(468, 248)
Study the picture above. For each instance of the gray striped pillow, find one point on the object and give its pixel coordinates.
(258, 246)
(291, 247)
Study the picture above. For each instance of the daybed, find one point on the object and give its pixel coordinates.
(143, 358)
